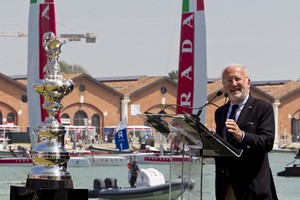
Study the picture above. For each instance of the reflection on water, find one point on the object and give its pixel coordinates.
(287, 188)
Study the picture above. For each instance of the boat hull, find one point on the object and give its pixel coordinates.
(73, 161)
(292, 170)
(16, 161)
(107, 160)
(107, 151)
(157, 192)
(146, 158)
(78, 162)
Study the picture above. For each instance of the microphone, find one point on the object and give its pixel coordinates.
(226, 96)
(219, 93)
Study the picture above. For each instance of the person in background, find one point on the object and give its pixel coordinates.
(250, 127)
(134, 170)
(129, 171)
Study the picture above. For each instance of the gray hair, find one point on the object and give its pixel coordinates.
(236, 65)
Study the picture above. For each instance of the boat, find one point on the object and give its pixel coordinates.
(16, 161)
(8, 151)
(279, 150)
(292, 168)
(151, 158)
(103, 150)
(107, 160)
(284, 149)
(150, 185)
(148, 157)
(26, 161)
(79, 161)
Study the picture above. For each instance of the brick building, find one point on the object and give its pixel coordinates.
(105, 101)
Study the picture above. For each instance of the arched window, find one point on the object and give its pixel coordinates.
(65, 118)
(65, 115)
(79, 118)
(96, 122)
(10, 118)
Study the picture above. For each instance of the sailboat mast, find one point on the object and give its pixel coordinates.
(41, 20)
(192, 71)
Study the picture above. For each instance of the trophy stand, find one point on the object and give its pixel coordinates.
(189, 131)
(49, 177)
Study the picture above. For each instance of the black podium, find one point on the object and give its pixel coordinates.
(26, 193)
(189, 130)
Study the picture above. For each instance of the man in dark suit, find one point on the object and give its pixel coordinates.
(250, 127)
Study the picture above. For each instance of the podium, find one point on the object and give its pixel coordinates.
(194, 134)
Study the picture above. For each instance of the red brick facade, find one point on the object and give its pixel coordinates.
(104, 98)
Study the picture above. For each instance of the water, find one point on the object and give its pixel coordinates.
(287, 188)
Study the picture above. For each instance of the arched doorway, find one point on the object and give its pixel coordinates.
(295, 123)
(96, 123)
(79, 118)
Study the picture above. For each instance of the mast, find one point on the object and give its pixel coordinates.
(192, 72)
(41, 20)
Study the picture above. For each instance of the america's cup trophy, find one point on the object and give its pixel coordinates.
(50, 156)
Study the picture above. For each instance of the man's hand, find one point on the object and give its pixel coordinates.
(234, 129)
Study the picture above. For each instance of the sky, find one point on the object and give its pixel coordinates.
(141, 37)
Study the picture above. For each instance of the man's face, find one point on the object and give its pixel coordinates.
(236, 83)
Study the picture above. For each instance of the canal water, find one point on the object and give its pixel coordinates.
(287, 188)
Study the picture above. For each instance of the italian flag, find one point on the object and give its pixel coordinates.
(192, 72)
(41, 20)
(192, 5)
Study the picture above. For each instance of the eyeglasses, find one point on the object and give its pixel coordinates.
(236, 80)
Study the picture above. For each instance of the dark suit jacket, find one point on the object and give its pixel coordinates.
(250, 174)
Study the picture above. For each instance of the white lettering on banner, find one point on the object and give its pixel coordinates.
(187, 46)
(188, 20)
(186, 64)
(45, 12)
(186, 73)
(120, 135)
(185, 99)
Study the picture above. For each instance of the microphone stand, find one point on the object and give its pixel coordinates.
(197, 116)
(200, 144)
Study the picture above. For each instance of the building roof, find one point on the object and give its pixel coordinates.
(90, 78)
(119, 78)
(131, 85)
(127, 85)
(13, 81)
(275, 88)
(213, 86)
(279, 89)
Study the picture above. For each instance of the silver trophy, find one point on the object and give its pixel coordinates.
(49, 156)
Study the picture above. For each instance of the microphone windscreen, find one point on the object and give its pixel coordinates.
(219, 93)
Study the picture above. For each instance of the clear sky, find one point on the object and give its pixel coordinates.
(141, 37)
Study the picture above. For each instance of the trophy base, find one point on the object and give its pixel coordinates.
(26, 193)
(53, 184)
